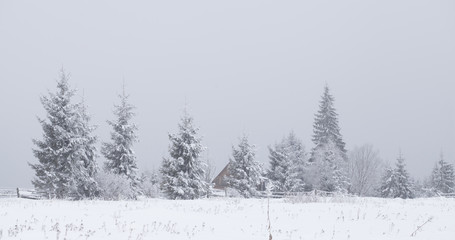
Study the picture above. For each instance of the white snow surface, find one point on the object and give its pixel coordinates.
(228, 218)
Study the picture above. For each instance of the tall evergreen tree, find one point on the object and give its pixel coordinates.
(245, 172)
(287, 165)
(396, 182)
(119, 154)
(325, 126)
(442, 177)
(86, 167)
(66, 155)
(183, 174)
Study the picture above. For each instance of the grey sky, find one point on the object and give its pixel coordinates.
(244, 66)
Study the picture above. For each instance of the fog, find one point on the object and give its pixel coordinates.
(254, 67)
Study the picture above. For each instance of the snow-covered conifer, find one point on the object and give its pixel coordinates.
(404, 183)
(119, 154)
(86, 167)
(396, 182)
(387, 187)
(325, 126)
(442, 177)
(328, 169)
(245, 173)
(287, 165)
(183, 173)
(66, 154)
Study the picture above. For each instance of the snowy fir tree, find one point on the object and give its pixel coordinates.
(387, 183)
(183, 173)
(442, 177)
(287, 165)
(328, 169)
(325, 126)
(86, 168)
(403, 181)
(119, 154)
(245, 173)
(396, 182)
(66, 155)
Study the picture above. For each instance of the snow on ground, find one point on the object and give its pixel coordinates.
(227, 218)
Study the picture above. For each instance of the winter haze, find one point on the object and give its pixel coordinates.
(255, 67)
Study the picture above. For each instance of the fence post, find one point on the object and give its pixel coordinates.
(18, 195)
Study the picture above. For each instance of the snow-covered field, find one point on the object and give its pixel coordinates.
(224, 218)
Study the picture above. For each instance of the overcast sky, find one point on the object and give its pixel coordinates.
(257, 67)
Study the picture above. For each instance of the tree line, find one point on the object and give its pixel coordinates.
(67, 160)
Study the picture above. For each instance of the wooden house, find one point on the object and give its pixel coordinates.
(219, 182)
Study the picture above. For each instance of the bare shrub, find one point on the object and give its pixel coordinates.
(150, 184)
(114, 186)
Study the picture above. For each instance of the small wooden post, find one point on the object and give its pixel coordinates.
(18, 195)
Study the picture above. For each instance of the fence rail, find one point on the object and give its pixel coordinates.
(308, 193)
(447, 195)
(29, 193)
(264, 194)
(22, 193)
(7, 193)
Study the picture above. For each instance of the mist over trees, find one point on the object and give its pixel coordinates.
(67, 160)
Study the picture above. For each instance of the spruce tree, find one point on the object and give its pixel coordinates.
(396, 183)
(442, 177)
(403, 181)
(387, 187)
(325, 126)
(245, 173)
(86, 167)
(66, 155)
(328, 169)
(183, 173)
(119, 153)
(287, 165)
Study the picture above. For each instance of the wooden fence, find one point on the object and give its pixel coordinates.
(34, 194)
(447, 195)
(7, 193)
(315, 192)
(264, 194)
(22, 193)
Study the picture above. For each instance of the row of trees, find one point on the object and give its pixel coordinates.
(329, 167)
(67, 154)
(67, 165)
